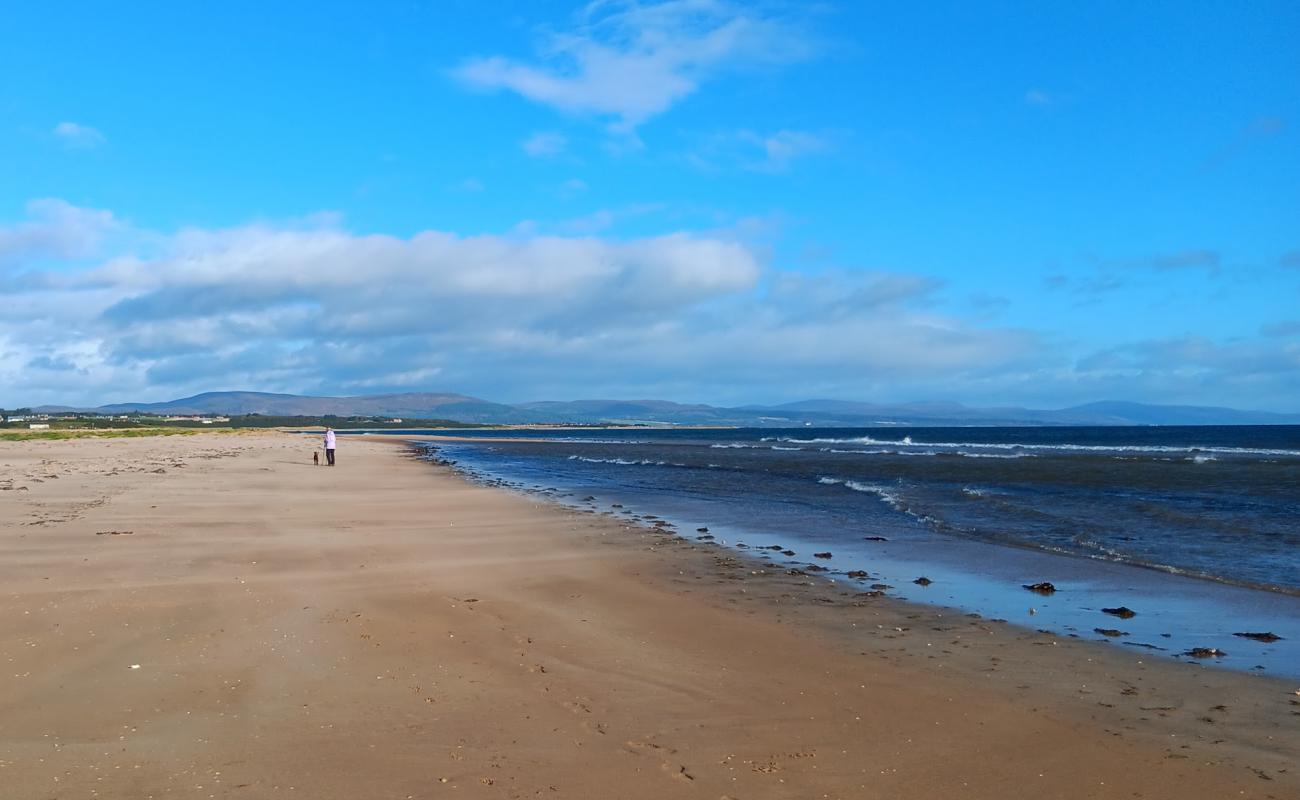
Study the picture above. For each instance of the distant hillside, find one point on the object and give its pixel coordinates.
(462, 408)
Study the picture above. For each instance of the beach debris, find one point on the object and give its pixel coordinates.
(1113, 633)
(1205, 652)
(134, 666)
(114, 533)
(1123, 612)
(923, 581)
(1260, 637)
(860, 574)
(827, 554)
(874, 539)
(1041, 588)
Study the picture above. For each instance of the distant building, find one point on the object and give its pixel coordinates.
(39, 426)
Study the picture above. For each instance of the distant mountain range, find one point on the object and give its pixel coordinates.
(461, 408)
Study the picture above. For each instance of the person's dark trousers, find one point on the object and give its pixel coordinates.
(329, 456)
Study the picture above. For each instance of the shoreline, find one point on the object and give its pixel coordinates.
(281, 615)
(1173, 606)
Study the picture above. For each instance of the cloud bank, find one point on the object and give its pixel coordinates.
(314, 307)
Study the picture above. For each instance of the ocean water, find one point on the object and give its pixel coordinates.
(1199, 525)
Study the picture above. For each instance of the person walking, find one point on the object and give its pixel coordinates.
(329, 446)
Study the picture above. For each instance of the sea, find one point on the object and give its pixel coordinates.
(1194, 529)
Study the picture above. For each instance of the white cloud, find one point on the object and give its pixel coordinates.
(78, 136)
(544, 143)
(633, 61)
(54, 229)
(571, 188)
(772, 151)
(781, 147)
(312, 307)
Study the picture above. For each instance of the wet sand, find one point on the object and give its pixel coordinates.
(212, 616)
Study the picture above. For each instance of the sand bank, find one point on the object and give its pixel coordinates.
(212, 616)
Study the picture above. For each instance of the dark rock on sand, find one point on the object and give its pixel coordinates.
(1041, 588)
(860, 574)
(874, 539)
(1205, 652)
(816, 568)
(702, 530)
(1123, 612)
(880, 587)
(772, 547)
(923, 581)
(1260, 637)
(1111, 632)
(827, 554)
(787, 552)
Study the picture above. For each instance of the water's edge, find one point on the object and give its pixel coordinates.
(1177, 614)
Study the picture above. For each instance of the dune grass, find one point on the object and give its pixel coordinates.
(20, 435)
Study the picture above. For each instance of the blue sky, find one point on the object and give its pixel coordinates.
(700, 200)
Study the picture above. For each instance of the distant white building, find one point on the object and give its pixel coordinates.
(39, 426)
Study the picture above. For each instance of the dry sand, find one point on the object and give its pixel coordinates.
(212, 616)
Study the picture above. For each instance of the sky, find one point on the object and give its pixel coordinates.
(1037, 204)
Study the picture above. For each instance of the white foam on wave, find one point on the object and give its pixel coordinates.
(996, 455)
(624, 462)
(918, 453)
(644, 462)
(906, 441)
(880, 491)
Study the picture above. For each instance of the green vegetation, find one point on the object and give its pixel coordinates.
(338, 423)
(20, 435)
(13, 423)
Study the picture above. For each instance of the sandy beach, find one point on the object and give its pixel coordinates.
(213, 616)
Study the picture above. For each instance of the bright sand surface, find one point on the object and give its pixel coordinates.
(212, 616)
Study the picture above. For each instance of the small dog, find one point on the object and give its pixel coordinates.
(315, 458)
